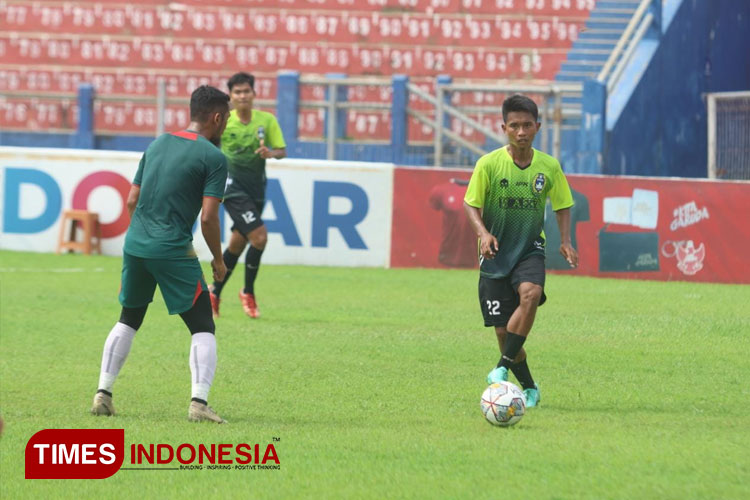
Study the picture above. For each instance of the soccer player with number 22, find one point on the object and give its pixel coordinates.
(505, 202)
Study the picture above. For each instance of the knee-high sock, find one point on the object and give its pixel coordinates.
(230, 260)
(202, 364)
(513, 345)
(116, 349)
(523, 374)
(252, 263)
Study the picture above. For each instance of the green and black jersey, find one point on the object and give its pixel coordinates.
(247, 170)
(175, 173)
(512, 201)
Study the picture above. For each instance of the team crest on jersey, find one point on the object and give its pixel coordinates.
(539, 183)
(504, 183)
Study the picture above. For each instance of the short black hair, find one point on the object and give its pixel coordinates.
(519, 103)
(239, 79)
(206, 100)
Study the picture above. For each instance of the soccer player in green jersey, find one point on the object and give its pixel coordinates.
(179, 175)
(251, 137)
(505, 203)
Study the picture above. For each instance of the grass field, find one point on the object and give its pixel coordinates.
(371, 380)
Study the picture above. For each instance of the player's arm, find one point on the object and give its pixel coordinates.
(133, 195)
(211, 230)
(562, 199)
(135, 187)
(275, 138)
(488, 245)
(566, 247)
(265, 152)
(474, 199)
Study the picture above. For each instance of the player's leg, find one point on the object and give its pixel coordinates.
(202, 359)
(136, 292)
(497, 301)
(528, 279)
(245, 213)
(232, 254)
(520, 369)
(258, 238)
(185, 293)
(240, 210)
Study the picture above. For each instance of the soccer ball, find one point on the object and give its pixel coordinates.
(503, 404)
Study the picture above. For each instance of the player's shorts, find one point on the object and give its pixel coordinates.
(245, 213)
(498, 298)
(180, 281)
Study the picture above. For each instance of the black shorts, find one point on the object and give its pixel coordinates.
(498, 298)
(245, 213)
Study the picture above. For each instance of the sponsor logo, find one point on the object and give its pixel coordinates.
(519, 203)
(100, 453)
(522, 183)
(689, 257)
(687, 215)
(74, 453)
(539, 183)
(646, 260)
(504, 183)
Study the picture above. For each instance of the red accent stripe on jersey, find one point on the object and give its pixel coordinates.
(186, 135)
(198, 291)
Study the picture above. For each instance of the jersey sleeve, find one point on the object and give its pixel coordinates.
(139, 173)
(560, 194)
(476, 191)
(274, 134)
(216, 177)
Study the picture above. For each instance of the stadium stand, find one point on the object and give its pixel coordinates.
(609, 61)
(124, 49)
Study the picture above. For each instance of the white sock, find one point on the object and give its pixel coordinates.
(202, 363)
(116, 349)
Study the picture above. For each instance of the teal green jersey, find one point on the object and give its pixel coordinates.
(512, 201)
(247, 170)
(176, 172)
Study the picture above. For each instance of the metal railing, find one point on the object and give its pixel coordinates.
(333, 105)
(551, 114)
(458, 129)
(636, 29)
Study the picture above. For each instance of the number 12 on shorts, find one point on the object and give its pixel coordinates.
(248, 217)
(493, 307)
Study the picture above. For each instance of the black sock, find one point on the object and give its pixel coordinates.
(252, 263)
(230, 260)
(105, 392)
(198, 400)
(522, 373)
(513, 345)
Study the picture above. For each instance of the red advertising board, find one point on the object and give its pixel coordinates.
(623, 227)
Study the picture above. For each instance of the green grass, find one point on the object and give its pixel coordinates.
(371, 379)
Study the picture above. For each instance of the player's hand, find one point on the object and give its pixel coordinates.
(264, 152)
(220, 270)
(570, 254)
(488, 246)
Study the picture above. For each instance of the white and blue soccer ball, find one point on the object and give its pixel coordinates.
(503, 404)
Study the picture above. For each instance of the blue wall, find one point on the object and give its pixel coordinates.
(662, 131)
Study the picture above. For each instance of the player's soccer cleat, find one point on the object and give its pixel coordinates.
(533, 396)
(198, 412)
(249, 304)
(102, 405)
(215, 300)
(499, 374)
